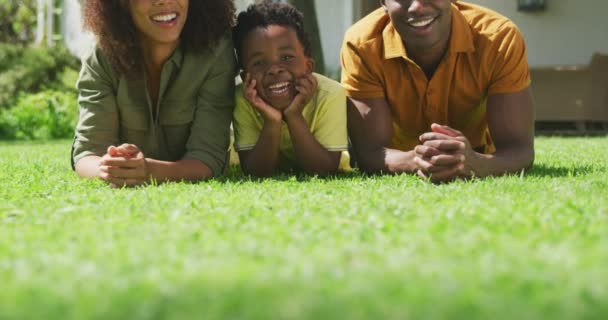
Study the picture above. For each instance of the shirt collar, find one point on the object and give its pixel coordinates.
(461, 39)
(177, 57)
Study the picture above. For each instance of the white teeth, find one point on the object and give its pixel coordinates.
(279, 88)
(165, 17)
(421, 23)
(279, 85)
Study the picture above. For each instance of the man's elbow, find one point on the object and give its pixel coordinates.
(320, 170)
(257, 173)
(369, 163)
(529, 158)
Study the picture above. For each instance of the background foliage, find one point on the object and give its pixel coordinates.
(17, 21)
(37, 93)
(45, 115)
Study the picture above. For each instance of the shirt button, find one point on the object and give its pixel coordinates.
(430, 92)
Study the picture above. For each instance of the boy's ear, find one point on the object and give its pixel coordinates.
(310, 64)
(243, 75)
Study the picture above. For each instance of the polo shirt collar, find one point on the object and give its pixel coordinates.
(461, 39)
(393, 44)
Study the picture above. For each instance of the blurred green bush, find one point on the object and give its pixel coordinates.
(37, 92)
(17, 21)
(31, 70)
(49, 114)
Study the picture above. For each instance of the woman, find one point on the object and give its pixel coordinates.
(156, 96)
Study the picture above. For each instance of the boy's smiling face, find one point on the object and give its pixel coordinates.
(274, 57)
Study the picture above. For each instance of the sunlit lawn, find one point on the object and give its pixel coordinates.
(531, 246)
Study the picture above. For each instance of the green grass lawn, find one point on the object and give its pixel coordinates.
(350, 247)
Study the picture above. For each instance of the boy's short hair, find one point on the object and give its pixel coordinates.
(269, 12)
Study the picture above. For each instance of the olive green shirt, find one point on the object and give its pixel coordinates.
(191, 120)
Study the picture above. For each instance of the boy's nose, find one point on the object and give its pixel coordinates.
(275, 69)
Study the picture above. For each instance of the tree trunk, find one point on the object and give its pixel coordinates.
(307, 7)
(40, 23)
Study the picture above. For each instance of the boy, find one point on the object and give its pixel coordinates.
(286, 117)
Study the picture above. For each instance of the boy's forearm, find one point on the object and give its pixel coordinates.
(263, 159)
(312, 157)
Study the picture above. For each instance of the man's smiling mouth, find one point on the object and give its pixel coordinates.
(421, 23)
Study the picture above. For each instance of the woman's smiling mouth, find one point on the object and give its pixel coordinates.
(165, 18)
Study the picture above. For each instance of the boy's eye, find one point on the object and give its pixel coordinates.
(286, 57)
(257, 63)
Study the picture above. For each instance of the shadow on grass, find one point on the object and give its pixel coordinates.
(542, 170)
(235, 174)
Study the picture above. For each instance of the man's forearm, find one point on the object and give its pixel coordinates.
(385, 160)
(505, 161)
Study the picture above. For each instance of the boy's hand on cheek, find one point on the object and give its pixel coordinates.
(251, 94)
(306, 87)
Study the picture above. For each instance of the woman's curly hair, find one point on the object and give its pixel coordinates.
(270, 12)
(111, 22)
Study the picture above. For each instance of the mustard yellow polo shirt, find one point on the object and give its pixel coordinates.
(192, 118)
(486, 56)
(325, 116)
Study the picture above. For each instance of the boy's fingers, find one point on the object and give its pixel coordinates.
(305, 89)
(313, 81)
(250, 83)
(300, 98)
(247, 80)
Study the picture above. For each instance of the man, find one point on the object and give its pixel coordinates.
(439, 88)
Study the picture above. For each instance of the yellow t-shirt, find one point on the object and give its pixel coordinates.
(325, 116)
